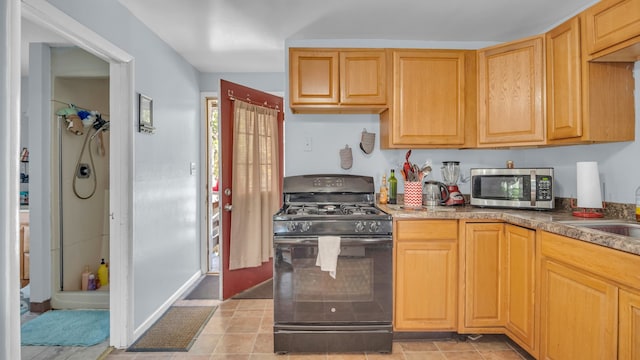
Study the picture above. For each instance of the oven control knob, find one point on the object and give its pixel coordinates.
(304, 227)
(291, 226)
(374, 226)
(360, 226)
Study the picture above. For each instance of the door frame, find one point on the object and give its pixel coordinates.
(122, 95)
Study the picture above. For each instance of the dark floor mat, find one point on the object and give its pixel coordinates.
(207, 289)
(260, 291)
(176, 330)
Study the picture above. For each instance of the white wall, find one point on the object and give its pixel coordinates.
(267, 82)
(330, 133)
(166, 239)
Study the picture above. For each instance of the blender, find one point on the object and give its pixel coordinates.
(450, 176)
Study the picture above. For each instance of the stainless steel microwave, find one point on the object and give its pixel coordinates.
(518, 188)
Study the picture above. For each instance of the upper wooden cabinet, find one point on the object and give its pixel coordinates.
(613, 30)
(586, 101)
(432, 99)
(426, 278)
(332, 80)
(511, 94)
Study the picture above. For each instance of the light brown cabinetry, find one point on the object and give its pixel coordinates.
(511, 94)
(499, 281)
(337, 80)
(432, 99)
(613, 30)
(588, 299)
(520, 249)
(586, 101)
(426, 278)
(484, 276)
(629, 325)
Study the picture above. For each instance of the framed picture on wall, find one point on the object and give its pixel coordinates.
(145, 119)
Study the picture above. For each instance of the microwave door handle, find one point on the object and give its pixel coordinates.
(533, 188)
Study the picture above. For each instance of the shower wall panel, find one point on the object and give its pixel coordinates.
(85, 231)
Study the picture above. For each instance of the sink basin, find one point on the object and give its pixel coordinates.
(610, 226)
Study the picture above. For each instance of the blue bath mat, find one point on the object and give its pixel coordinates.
(67, 328)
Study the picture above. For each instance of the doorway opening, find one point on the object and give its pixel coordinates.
(213, 159)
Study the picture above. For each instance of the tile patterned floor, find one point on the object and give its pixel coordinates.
(242, 330)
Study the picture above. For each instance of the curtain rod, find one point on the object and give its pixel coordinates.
(248, 99)
(76, 106)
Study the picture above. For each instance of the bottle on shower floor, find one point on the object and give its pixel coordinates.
(84, 285)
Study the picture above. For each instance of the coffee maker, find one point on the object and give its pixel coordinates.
(450, 176)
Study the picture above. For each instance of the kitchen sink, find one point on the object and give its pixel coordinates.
(610, 226)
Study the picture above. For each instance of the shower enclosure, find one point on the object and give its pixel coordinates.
(80, 158)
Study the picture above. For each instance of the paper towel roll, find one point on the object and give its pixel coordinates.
(588, 179)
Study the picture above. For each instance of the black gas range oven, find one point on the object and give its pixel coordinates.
(314, 312)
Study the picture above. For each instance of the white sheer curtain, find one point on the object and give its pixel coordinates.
(255, 184)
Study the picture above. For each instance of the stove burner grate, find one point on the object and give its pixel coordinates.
(331, 209)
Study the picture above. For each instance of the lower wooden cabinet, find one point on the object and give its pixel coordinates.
(426, 278)
(590, 306)
(578, 314)
(556, 297)
(484, 276)
(499, 281)
(520, 250)
(629, 325)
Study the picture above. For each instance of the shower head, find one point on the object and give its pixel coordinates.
(100, 123)
(104, 127)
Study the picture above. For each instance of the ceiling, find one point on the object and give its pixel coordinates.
(250, 35)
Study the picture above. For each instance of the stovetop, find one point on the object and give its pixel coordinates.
(346, 209)
(330, 205)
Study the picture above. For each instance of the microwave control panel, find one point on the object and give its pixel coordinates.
(544, 188)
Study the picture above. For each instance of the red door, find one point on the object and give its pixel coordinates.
(236, 281)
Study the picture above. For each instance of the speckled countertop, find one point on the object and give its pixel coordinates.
(551, 221)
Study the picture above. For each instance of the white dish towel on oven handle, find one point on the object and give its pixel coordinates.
(328, 251)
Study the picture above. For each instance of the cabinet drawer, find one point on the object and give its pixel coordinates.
(411, 230)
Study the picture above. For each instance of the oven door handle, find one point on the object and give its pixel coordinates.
(344, 241)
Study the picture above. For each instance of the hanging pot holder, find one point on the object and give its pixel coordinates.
(346, 158)
(367, 141)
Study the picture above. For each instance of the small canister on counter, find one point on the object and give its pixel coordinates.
(509, 164)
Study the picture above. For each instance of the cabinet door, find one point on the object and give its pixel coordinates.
(578, 314)
(313, 76)
(564, 96)
(363, 77)
(629, 325)
(520, 280)
(485, 273)
(428, 99)
(610, 22)
(586, 101)
(511, 90)
(426, 275)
